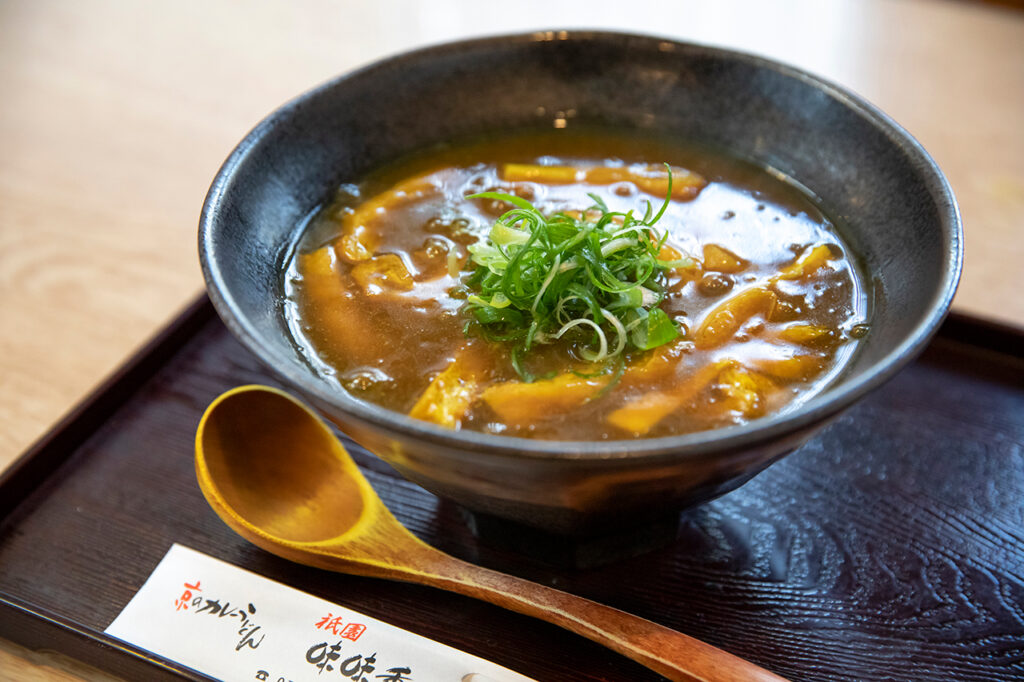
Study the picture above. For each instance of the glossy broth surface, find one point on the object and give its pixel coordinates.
(768, 306)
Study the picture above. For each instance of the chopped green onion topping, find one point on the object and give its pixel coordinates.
(595, 280)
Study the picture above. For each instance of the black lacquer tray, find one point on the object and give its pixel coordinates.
(890, 547)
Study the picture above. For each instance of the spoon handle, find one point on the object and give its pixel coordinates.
(670, 653)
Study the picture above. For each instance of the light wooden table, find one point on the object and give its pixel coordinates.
(114, 117)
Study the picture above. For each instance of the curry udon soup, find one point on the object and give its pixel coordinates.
(575, 287)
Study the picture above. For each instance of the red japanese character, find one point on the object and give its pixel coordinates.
(352, 631)
(330, 622)
(182, 601)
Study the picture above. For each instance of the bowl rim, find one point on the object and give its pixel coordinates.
(806, 415)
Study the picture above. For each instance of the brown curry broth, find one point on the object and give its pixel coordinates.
(393, 343)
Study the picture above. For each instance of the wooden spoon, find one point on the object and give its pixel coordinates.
(276, 474)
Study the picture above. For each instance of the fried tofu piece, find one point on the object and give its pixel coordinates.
(639, 415)
(794, 368)
(720, 259)
(810, 335)
(810, 261)
(739, 390)
(649, 178)
(320, 276)
(669, 253)
(518, 403)
(359, 241)
(545, 175)
(656, 364)
(386, 272)
(743, 392)
(719, 325)
(447, 398)
(333, 307)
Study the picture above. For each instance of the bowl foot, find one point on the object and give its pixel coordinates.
(571, 551)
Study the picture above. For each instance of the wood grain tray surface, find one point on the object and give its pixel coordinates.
(889, 547)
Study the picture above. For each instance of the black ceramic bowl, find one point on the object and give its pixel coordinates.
(898, 210)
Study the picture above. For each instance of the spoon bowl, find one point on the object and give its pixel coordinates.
(277, 468)
(276, 474)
